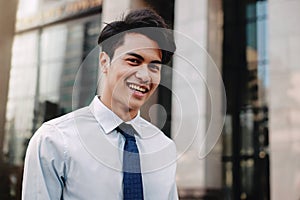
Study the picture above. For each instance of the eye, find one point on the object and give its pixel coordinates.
(133, 61)
(154, 67)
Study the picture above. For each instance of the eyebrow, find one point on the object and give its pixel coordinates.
(142, 58)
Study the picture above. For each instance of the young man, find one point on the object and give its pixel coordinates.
(106, 150)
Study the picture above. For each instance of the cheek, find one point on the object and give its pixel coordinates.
(116, 75)
(155, 83)
(156, 79)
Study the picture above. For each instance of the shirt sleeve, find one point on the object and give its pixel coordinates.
(44, 165)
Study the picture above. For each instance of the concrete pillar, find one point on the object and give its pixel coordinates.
(189, 126)
(213, 171)
(7, 27)
(284, 98)
(199, 165)
(114, 9)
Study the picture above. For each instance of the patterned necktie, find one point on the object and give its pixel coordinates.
(132, 177)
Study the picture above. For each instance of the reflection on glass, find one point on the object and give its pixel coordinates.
(247, 122)
(227, 161)
(42, 78)
(247, 180)
(45, 62)
(22, 87)
(227, 136)
(249, 159)
(53, 44)
(89, 67)
(72, 61)
(61, 61)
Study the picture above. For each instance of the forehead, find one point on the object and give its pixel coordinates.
(138, 43)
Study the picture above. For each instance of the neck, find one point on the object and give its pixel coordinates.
(125, 113)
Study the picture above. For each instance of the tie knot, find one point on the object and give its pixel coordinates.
(127, 131)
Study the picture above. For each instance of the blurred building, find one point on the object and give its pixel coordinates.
(254, 45)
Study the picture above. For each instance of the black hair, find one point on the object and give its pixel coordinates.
(144, 21)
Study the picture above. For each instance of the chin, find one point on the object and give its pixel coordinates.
(136, 105)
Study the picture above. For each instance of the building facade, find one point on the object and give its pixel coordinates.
(242, 144)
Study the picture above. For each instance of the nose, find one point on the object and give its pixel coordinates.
(143, 74)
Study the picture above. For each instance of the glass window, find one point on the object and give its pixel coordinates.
(22, 88)
(45, 64)
(245, 72)
(63, 52)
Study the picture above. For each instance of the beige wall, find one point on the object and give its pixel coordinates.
(191, 35)
(198, 30)
(284, 98)
(7, 24)
(113, 9)
(213, 171)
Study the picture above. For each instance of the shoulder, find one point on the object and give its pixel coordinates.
(55, 129)
(69, 117)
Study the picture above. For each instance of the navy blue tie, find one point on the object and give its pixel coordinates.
(132, 177)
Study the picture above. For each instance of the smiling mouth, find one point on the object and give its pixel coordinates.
(138, 88)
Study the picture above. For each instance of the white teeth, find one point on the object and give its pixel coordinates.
(136, 87)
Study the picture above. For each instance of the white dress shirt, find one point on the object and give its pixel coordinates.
(79, 156)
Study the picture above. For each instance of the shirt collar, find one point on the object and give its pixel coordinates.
(108, 119)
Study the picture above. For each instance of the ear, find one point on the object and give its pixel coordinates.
(104, 61)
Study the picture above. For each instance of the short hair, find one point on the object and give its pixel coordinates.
(140, 21)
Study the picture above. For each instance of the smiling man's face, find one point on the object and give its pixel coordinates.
(133, 74)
